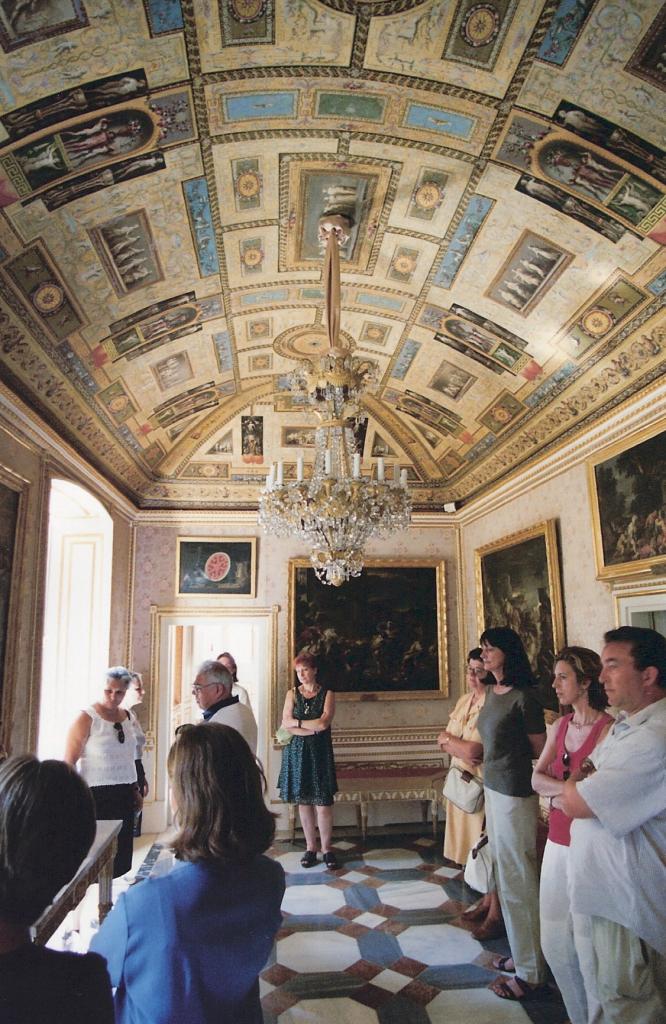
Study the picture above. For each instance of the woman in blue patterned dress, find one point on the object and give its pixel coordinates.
(307, 776)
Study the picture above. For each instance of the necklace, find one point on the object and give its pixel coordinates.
(308, 698)
(583, 725)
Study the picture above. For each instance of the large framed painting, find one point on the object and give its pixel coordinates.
(380, 636)
(518, 585)
(216, 566)
(10, 513)
(628, 494)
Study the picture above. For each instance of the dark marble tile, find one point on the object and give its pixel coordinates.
(419, 992)
(379, 948)
(405, 965)
(363, 897)
(372, 996)
(457, 976)
(364, 969)
(324, 986)
(400, 1010)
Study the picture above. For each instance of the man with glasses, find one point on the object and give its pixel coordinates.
(212, 692)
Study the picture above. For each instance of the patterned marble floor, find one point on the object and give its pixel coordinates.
(381, 942)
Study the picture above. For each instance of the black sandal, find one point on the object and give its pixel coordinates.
(309, 859)
(331, 861)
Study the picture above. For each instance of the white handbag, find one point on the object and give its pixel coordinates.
(464, 790)
(479, 866)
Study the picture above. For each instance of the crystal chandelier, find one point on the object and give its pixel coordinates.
(337, 510)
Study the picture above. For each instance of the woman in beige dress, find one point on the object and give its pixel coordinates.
(462, 742)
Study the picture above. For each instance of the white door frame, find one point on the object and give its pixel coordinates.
(159, 701)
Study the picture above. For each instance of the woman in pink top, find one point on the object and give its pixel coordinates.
(571, 739)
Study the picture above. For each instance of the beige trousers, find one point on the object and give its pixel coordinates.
(511, 822)
(629, 976)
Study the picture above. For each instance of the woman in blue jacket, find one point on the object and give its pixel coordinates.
(189, 946)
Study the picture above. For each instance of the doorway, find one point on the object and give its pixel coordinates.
(77, 613)
(181, 641)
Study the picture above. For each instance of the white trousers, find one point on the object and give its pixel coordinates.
(627, 976)
(511, 822)
(557, 936)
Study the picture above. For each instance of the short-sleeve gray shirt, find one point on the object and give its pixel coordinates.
(504, 723)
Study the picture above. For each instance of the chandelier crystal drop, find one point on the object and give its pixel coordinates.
(337, 509)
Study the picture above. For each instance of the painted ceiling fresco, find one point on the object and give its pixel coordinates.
(162, 169)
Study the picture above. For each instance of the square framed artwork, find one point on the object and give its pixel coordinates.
(626, 492)
(382, 636)
(216, 567)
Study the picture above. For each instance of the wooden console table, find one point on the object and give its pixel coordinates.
(365, 782)
(97, 867)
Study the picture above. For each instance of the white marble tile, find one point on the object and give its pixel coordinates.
(462, 1005)
(392, 981)
(343, 845)
(312, 899)
(389, 860)
(415, 895)
(369, 920)
(291, 862)
(310, 952)
(424, 842)
(264, 988)
(439, 944)
(328, 1011)
(354, 876)
(445, 872)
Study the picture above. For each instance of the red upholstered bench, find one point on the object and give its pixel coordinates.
(361, 783)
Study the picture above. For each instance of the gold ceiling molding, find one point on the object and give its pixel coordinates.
(201, 433)
(641, 411)
(406, 439)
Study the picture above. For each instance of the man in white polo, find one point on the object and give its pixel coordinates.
(212, 692)
(617, 865)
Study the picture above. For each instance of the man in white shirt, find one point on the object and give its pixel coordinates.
(617, 865)
(212, 692)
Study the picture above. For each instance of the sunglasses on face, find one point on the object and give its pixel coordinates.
(119, 731)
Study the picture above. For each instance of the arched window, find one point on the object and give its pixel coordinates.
(75, 647)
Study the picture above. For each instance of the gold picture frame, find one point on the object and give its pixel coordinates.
(625, 484)
(385, 633)
(216, 567)
(518, 585)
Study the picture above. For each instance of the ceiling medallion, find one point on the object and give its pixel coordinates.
(48, 297)
(404, 264)
(252, 257)
(246, 11)
(428, 195)
(481, 26)
(597, 322)
(337, 510)
(248, 184)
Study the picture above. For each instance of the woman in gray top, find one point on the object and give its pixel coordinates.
(511, 725)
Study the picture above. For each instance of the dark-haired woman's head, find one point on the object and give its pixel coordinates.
(503, 654)
(586, 665)
(47, 826)
(477, 675)
(218, 792)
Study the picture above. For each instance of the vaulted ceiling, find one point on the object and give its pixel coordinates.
(162, 170)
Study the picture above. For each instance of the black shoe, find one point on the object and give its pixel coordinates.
(309, 859)
(331, 861)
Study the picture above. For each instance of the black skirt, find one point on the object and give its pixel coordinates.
(113, 802)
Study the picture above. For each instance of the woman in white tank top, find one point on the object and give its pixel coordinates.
(102, 741)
